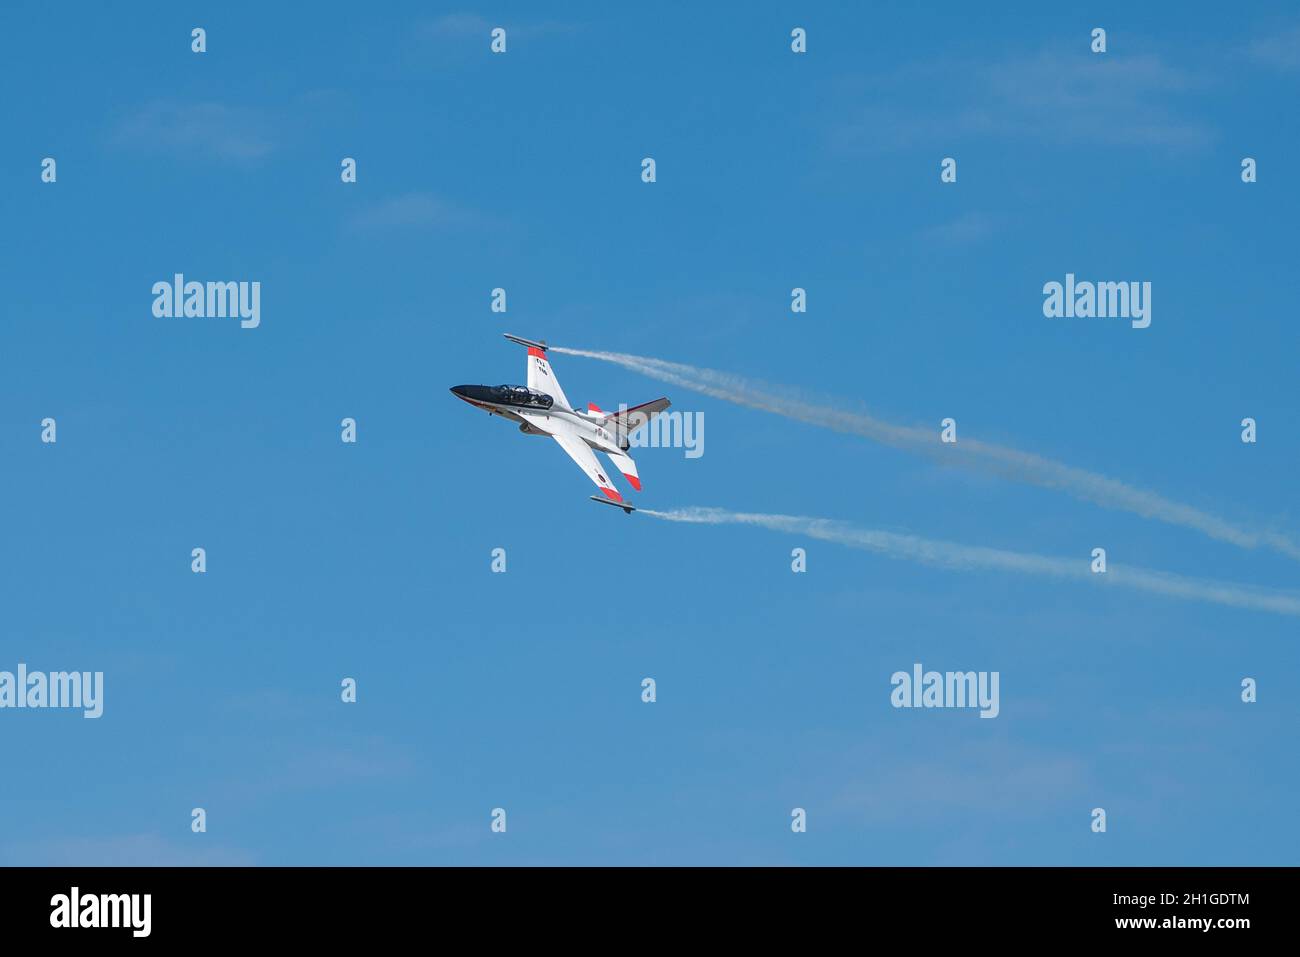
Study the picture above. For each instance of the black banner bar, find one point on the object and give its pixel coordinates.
(94, 906)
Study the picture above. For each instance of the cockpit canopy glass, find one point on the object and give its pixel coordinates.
(522, 396)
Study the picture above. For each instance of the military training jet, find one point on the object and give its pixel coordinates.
(540, 408)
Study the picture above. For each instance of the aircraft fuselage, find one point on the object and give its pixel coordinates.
(527, 407)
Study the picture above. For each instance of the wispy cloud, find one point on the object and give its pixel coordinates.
(1279, 51)
(200, 130)
(418, 210)
(128, 850)
(1078, 97)
(351, 760)
(986, 777)
(969, 227)
(464, 24)
(457, 25)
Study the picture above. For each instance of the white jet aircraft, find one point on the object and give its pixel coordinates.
(540, 408)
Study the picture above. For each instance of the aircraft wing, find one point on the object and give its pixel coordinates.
(539, 421)
(581, 453)
(628, 421)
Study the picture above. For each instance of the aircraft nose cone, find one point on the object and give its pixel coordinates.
(473, 394)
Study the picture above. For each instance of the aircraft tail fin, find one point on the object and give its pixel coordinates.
(541, 377)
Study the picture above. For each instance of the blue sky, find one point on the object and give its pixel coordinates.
(522, 690)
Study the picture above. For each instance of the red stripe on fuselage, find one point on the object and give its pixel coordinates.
(481, 405)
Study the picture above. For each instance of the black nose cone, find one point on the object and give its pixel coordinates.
(474, 394)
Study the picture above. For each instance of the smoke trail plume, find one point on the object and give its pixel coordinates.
(971, 557)
(1007, 462)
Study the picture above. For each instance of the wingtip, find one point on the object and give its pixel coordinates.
(530, 343)
(627, 508)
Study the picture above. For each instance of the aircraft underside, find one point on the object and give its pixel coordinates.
(541, 408)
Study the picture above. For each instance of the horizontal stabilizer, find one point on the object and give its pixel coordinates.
(626, 421)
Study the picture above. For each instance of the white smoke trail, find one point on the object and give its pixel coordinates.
(1010, 463)
(966, 557)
